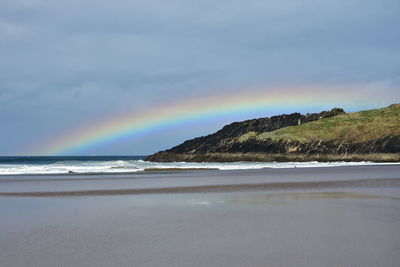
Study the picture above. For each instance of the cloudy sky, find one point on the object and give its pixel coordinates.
(65, 64)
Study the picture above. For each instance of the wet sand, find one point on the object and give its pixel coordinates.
(347, 216)
(362, 183)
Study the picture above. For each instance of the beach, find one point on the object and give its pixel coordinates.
(330, 216)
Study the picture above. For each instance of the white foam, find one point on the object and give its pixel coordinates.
(121, 166)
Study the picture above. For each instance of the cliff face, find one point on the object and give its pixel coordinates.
(387, 144)
(325, 133)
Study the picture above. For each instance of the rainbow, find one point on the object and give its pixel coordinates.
(140, 123)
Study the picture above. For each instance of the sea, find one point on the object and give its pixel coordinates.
(128, 164)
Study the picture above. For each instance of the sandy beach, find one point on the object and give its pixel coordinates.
(332, 216)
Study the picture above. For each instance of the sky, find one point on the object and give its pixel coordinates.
(67, 65)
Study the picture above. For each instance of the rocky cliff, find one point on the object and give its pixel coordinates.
(333, 135)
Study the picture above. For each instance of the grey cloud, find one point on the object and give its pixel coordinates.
(84, 59)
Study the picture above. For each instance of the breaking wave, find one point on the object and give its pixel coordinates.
(85, 166)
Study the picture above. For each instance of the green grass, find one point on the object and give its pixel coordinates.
(351, 127)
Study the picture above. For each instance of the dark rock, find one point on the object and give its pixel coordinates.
(221, 141)
(224, 145)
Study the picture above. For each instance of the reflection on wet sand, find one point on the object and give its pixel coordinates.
(361, 183)
(288, 217)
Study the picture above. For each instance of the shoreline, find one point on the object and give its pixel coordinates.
(177, 167)
(268, 157)
(205, 181)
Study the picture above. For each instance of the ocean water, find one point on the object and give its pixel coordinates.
(126, 164)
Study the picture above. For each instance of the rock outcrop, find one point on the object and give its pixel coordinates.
(228, 143)
(221, 141)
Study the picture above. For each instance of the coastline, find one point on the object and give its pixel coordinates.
(369, 135)
(203, 181)
(268, 157)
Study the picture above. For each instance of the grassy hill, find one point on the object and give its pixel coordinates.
(371, 135)
(354, 127)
